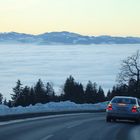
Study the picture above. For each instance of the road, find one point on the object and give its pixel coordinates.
(89, 126)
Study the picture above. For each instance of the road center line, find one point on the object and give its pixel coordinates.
(74, 125)
(47, 137)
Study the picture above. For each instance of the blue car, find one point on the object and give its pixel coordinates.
(123, 107)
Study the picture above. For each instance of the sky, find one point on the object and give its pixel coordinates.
(87, 17)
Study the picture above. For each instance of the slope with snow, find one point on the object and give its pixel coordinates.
(51, 107)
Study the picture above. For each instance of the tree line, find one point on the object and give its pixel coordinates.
(44, 93)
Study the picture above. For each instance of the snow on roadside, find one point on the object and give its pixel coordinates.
(51, 107)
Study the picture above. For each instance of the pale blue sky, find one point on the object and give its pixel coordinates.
(89, 17)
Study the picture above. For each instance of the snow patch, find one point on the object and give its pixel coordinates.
(51, 107)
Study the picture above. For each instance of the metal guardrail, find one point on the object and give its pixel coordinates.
(39, 114)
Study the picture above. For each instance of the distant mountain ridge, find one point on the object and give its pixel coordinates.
(64, 37)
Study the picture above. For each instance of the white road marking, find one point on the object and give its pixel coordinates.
(74, 125)
(39, 118)
(47, 137)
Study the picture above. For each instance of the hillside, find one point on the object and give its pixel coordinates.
(66, 38)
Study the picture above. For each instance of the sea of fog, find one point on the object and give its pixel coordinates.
(98, 63)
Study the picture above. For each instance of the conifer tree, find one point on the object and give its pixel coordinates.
(101, 95)
(39, 89)
(50, 94)
(1, 98)
(17, 92)
(73, 91)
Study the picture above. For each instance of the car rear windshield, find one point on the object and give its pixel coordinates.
(124, 101)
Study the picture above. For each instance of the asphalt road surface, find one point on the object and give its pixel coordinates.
(89, 126)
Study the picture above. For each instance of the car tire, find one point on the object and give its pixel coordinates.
(137, 121)
(108, 119)
(114, 120)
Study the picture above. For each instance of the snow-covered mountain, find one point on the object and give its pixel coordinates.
(13, 37)
(64, 38)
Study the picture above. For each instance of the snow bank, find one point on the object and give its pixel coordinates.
(51, 107)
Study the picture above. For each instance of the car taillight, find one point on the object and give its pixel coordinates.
(109, 107)
(134, 109)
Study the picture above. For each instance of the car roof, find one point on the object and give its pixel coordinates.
(128, 97)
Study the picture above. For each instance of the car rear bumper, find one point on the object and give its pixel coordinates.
(130, 116)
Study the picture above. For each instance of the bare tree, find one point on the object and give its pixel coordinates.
(130, 69)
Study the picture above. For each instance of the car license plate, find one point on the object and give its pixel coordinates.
(121, 104)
